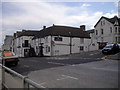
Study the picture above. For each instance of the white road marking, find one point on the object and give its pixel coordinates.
(62, 78)
(57, 63)
(70, 77)
(91, 54)
(59, 58)
(66, 77)
(73, 65)
(26, 66)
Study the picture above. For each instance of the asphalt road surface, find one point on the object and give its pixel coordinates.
(26, 65)
(85, 70)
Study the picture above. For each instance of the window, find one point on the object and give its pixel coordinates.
(115, 39)
(96, 32)
(81, 40)
(57, 38)
(119, 30)
(101, 31)
(104, 22)
(102, 39)
(46, 39)
(101, 23)
(81, 48)
(47, 48)
(118, 39)
(25, 44)
(110, 29)
(115, 29)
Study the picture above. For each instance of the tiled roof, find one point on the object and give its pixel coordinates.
(27, 33)
(65, 31)
(90, 31)
(111, 20)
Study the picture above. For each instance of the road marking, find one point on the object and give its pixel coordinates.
(67, 77)
(91, 54)
(116, 70)
(57, 63)
(73, 65)
(105, 58)
(26, 66)
(70, 77)
(59, 58)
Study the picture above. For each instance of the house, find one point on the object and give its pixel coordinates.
(60, 40)
(107, 30)
(7, 43)
(92, 45)
(21, 42)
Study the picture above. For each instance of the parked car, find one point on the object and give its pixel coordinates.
(9, 58)
(111, 48)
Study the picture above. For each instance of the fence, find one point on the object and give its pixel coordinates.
(12, 79)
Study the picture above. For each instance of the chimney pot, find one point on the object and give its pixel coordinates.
(44, 27)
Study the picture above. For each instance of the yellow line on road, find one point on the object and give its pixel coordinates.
(105, 58)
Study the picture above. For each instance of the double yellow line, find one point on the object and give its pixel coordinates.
(105, 58)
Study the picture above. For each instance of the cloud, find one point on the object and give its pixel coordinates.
(32, 15)
(85, 5)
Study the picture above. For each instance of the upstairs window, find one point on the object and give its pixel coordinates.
(101, 31)
(26, 44)
(116, 39)
(101, 23)
(58, 39)
(96, 32)
(115, 29)
(104, 22)
(110, 29)
(46, 39)
(102, 39)
(119, 29)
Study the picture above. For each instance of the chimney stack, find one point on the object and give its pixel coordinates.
(82, 27)
(44, 27)
(23, 30)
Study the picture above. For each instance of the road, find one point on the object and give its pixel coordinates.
(27, 65)
(85, 70)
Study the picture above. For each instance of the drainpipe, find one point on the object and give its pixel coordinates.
(51, 47)
(70, 43)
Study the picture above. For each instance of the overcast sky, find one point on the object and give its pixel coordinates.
(34, 15)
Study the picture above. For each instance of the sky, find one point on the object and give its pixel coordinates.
(31, 15)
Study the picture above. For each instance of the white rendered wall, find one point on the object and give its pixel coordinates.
(107, 35)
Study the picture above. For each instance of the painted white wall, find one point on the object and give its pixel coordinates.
(61, 47)
(76, 45)
(19, 42)
(47, 44)
(93, 45)
(107, 35)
